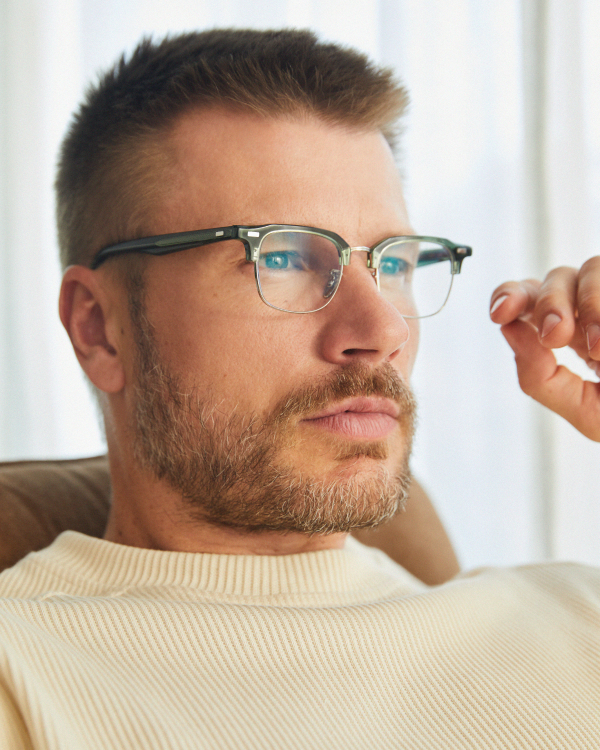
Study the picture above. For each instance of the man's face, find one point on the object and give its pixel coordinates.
(263, 419)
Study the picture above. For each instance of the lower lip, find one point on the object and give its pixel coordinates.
(357, 425)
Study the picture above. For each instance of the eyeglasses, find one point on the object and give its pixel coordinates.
(299, 269)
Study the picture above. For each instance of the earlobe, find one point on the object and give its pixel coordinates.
(84, 311)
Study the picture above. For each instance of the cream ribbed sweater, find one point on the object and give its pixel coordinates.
(108, 647)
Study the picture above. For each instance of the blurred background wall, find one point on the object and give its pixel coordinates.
(501, 151)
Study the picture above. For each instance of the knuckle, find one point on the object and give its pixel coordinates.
(548, 303)
(589, 302)
(591, 265)
(563, 272)
(546, 299)
(557, 293)
(588, 315)
(588, 293)
(560, 281)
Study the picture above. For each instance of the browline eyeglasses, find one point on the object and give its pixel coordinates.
(298, 269)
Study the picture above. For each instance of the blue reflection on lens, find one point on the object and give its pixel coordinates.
(393, 266)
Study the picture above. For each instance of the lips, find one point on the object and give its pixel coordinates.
(365, 418)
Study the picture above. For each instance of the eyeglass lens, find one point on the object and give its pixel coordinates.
(416, 277)
(299, 271)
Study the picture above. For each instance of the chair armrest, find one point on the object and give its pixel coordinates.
(41, 499)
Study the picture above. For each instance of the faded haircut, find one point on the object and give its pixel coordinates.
(108, 182)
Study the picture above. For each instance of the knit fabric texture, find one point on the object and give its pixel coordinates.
(108, 646)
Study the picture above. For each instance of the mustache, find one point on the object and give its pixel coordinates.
(350, 382)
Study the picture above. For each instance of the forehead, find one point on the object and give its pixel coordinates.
(241, 168)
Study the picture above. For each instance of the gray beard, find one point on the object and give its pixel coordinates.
(229, 470)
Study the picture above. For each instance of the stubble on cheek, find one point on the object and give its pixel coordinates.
(258, 472)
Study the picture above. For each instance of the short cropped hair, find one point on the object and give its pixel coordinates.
(108, 181)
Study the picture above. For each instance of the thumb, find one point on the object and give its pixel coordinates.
(553, 385)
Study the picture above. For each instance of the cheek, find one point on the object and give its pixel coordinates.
(246, 355)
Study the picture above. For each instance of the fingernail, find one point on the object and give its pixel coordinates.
(593, 334)
(497, 303)
(550, 322)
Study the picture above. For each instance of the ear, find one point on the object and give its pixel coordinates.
(89, 317)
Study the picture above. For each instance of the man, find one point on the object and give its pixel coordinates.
(242, 291)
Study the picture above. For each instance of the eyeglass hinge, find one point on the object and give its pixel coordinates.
(345, 255)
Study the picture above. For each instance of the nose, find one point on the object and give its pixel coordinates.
(361, 325)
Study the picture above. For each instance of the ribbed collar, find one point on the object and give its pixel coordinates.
(108, 566)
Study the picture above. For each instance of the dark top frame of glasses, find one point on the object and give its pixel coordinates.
(164, 244)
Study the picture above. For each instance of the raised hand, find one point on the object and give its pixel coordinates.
(563, 310)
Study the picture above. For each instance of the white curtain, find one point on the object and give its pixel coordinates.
(502, 151)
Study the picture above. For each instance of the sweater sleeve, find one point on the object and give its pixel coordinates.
(13, 734)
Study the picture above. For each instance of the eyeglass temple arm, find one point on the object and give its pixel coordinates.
(166, 243)
(458, 253)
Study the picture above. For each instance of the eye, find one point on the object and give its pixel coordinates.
(393, 266)
(281, 260)
(276, 260)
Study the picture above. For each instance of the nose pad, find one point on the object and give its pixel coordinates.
(373, 271)
(333, 282)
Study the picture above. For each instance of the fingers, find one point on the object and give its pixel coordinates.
(564, 308)
(550, 306)
(588, 305)
(537, 317)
